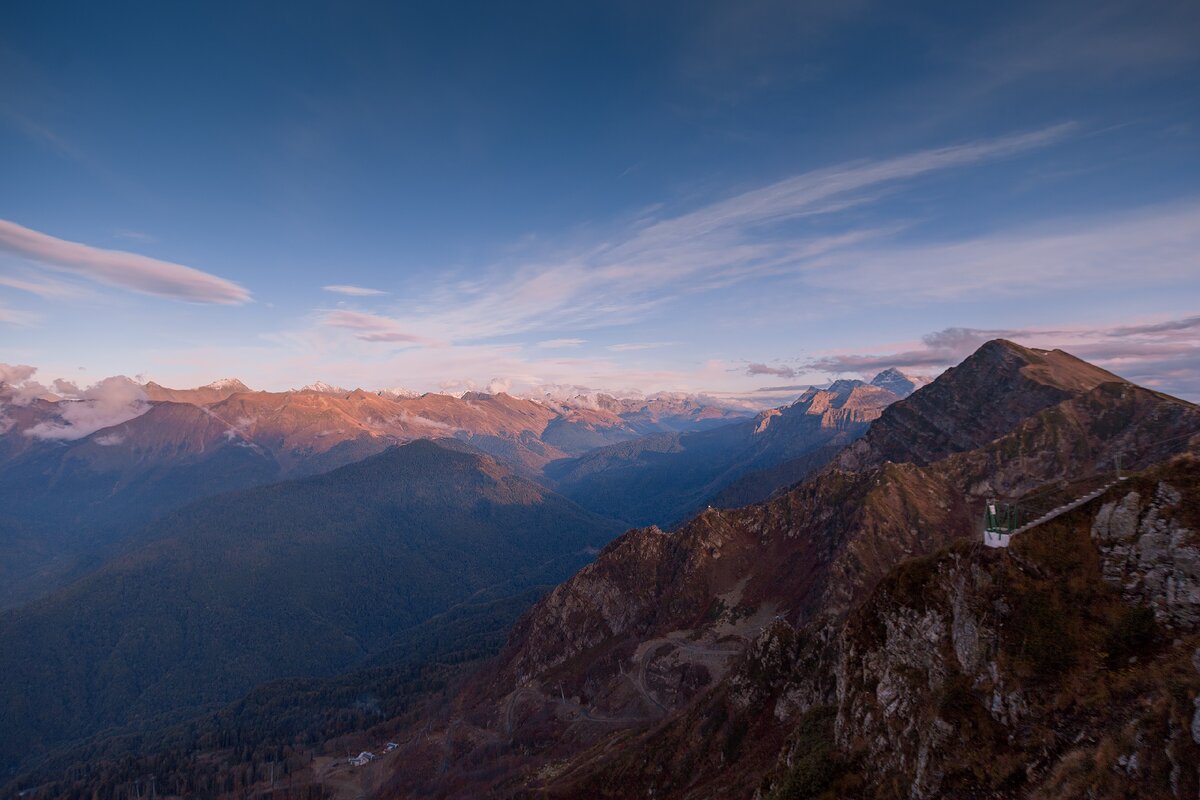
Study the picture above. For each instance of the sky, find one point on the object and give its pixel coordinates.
(737, 198)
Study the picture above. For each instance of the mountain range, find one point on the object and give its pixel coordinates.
(73, 503)
(665, 478)
(807, 612)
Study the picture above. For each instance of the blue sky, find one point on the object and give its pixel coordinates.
(695, 196)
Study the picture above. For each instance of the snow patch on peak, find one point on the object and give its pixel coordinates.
(899, 383)
(226, 383)
(398, 393)
(321, 387)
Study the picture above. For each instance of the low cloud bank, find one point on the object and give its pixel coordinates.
(78, 411)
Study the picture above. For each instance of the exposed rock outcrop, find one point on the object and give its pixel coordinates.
(1151, 553)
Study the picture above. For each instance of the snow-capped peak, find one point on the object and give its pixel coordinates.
(225, 383)
(321, 387)
(398, 393)
(899, 383)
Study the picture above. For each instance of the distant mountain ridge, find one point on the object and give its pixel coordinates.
(665, 478)
(201, 395)
(73, 500)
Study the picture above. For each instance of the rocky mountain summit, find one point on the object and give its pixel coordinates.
(213, 392)
(839, 636)
(899, 383)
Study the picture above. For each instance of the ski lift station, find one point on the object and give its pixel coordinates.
(999, 523)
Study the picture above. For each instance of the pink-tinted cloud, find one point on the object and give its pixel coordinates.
(16, 373)
(119, 268)
(12, 316)
(370, 327)
(48, 289)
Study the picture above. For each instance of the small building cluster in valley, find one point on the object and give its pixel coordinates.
(366, 756)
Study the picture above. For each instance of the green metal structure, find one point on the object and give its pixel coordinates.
(999, 522)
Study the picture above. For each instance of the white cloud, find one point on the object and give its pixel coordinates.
(498, 385)
(118, 268)
(353, 291)
(107, 403)
(555, 344)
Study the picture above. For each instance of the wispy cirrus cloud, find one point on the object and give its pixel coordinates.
(13, 316)
(716, 246)
(353, 291)
(46, 288)
(556, 344)
(119, 268)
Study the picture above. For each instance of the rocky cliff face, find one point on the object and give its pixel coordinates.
(786, 639)
(1063, 668)
(1150, 547)
(967, 673)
